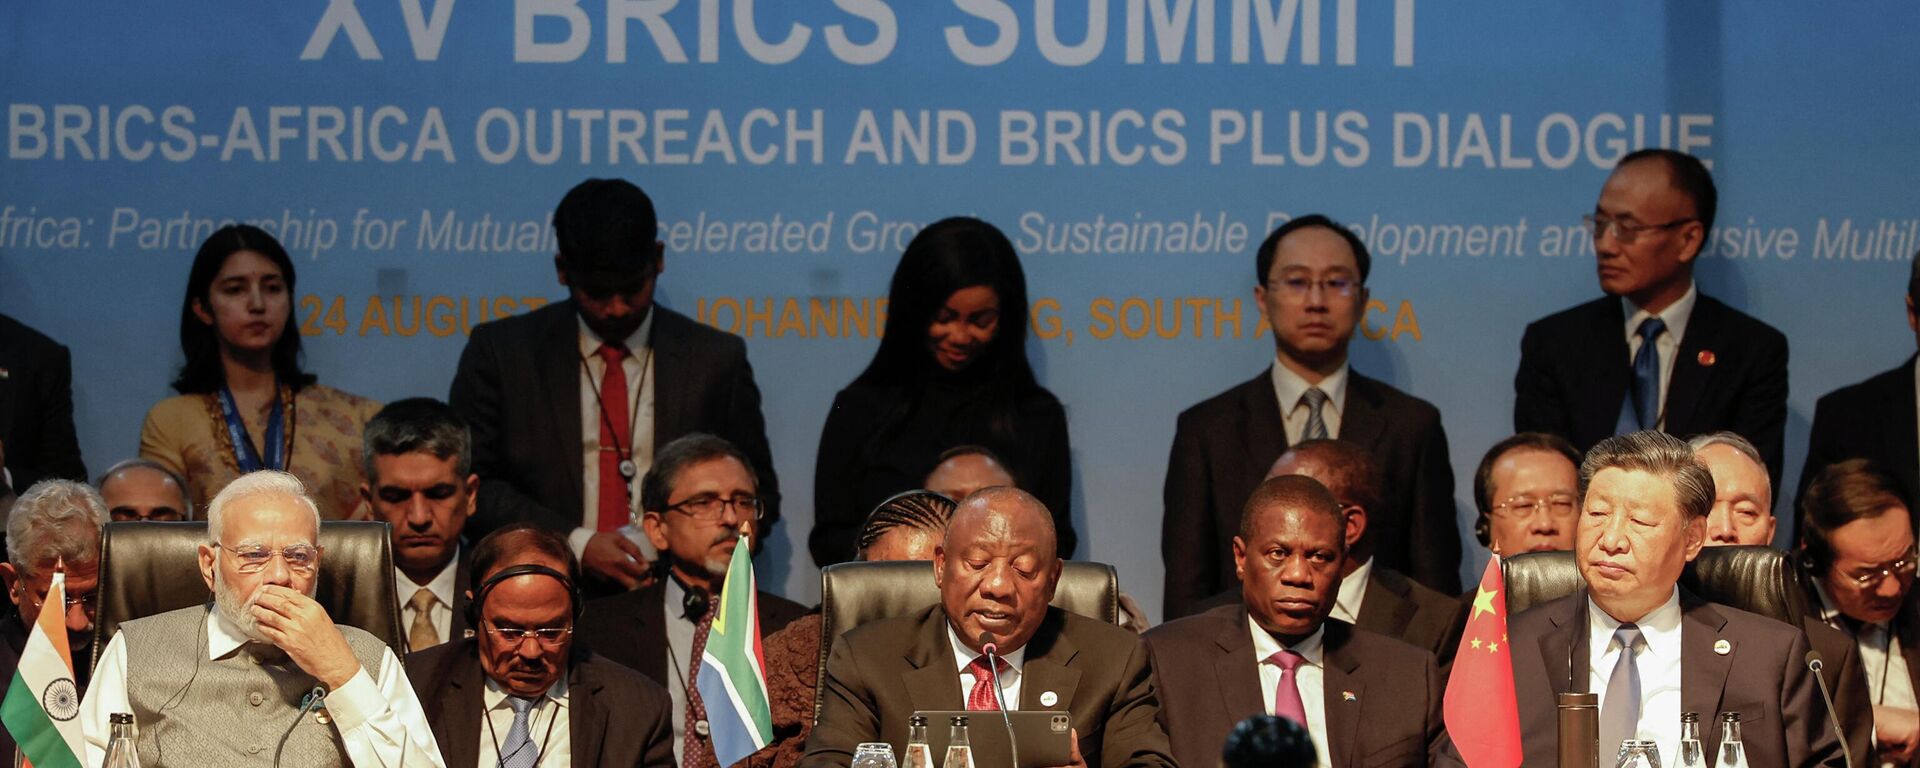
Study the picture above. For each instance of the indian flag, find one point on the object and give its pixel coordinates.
(733, 677)
(42, 707)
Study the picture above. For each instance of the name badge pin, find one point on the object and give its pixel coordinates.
(1722, 647)
(701, 727)
(1348, 696)
(1049, 699)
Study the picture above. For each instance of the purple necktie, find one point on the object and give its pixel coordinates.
(1286, 695)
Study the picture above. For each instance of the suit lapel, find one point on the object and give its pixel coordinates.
(1341, 711)
(668, 339)
(463, 706)
(1384, 607)
(586, 716)
(1048, 670)
(1236, 673)
(462, 581)
(1362, 423)
(1264, 436)
(1689, 380)
(1703, 669)
(1609, 370)
(933, 684)
(559, 372)
(1561, 649)
(650, 632)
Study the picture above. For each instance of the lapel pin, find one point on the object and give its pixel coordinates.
(1722, 647)
(1049, 699)
(1706, 358)
(4, 375)
(1348, 696)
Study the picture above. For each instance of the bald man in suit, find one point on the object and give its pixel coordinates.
(1364, 699)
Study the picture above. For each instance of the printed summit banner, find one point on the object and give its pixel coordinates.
(408, 153)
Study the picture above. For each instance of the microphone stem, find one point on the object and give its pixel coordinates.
(1000, 697)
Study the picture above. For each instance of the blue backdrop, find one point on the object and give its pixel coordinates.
(409, 152)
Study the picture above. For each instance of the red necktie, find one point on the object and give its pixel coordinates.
(982, 697)
(616, 434)
(1286, 695)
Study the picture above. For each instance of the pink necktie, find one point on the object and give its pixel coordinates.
(983, 696)
(1286, 695)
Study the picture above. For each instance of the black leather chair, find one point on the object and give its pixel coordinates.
(151, 568)
(1761, 580)
(852, 594)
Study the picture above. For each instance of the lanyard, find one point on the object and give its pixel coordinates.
(244, 455)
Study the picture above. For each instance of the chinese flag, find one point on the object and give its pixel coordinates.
(1481, 714)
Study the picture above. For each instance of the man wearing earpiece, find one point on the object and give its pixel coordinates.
(700, 495)
(521, 693)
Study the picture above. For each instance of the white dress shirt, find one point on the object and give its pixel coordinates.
(547, 725)
(1353, 590)
(639, 361)
(378, 718)
(442, 588)
(1667, 345)
(1309, 678)
(1291, 390)
(963, 657)
(1659, 665)
(1889, 681)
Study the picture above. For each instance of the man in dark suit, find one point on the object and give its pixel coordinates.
(418, 458)
(569, 402)
(36, 411)
(54, 521)
(699, 497)
(1857, 558)
(1649, 649)
(1311, 275)
(997, 567)
(1653, 353)
(506, 691)
(1372, 596)
(1874, 419)
(1375, 701)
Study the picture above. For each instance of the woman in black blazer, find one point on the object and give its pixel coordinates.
(951, 370)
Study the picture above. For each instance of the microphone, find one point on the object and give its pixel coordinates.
(992, 651)
(1815, 664)
(314, 700)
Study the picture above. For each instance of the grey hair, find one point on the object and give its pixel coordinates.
(186, 493)
(1732, 440)
(1656, 453)
(417, 425)
(42, 525)
(261, 483)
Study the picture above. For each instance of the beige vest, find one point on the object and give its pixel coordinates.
(227, 711)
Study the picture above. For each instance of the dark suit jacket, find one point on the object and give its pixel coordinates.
(1846, 675)
(518, 385)
(36, 408)
(1413, 613)
(1575, 372)
(614, 716)
(880, 673)
(1873, 419)
(1223, 447)
(1773, 692)
(1391, 718)
(630, 627)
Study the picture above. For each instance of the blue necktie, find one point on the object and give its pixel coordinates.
(519, 751)
(1646, 374)
(1620, 709)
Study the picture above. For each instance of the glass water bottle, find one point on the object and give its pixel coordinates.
(959, 747)
(1692, 754)
(1732, 754)
(919, 754)
(121, 752)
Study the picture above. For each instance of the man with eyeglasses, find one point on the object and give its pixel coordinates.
(1857, 549)
(1654, 353)
(521, 692)
(55, 524)
(1527, 490)
(1372, 596)
(570, 402)
(144, 490)
(232, 682)
(700, 495)
(1310, 282)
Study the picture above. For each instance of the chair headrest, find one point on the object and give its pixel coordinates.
(1761, 580)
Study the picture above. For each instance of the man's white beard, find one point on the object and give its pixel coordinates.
(240, 612)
